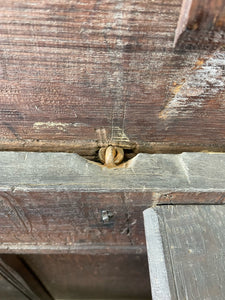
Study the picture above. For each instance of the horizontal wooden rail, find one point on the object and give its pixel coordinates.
(56, 202)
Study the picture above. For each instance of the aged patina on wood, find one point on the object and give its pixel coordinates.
(186, 251)
(53, 202)
(201, 25)
(52, 208)
(78, 75)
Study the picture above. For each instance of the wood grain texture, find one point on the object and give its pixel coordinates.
(193, 244)
(75, 74)
(71, 222)
(189, 172)
(53, 202)
(201, 24)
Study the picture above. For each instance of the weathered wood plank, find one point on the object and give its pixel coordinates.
(89, 150)
(56, 222)
(53, 202)
(191, 240)
(90, 73)
(156, 257)
(189, 172)
(201, 24)
(66, 67)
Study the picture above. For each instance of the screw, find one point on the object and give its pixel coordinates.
(111, 156)
(106, 216)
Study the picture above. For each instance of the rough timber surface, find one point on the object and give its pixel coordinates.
(201, 24)
(54, 202)
(81, 73)
(186, 251)
(191, 172)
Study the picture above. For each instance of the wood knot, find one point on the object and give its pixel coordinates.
(111, 156)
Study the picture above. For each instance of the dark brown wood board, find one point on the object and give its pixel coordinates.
(75, 75)
(186, 251)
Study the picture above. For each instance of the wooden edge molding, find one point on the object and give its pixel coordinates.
(156, 257)
(185, 251)
(89, 149)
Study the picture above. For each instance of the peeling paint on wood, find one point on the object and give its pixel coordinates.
(59, 125)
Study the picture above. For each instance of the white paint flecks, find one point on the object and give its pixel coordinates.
(56, 125)
(205, 80)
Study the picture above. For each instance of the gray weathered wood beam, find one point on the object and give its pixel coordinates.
(186, 251)
(186, 172)
(55, 202)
